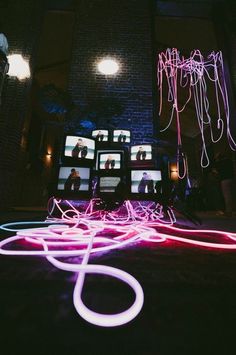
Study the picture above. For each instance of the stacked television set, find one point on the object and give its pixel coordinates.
(79, 148)
(73, 180)
(109, 159)
(100, 135)
(111, 165)
(141, 155)
(144, 183)
(120, 136)
(75, 172)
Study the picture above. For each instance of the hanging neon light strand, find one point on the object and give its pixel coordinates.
(193, 74)
(82, 234)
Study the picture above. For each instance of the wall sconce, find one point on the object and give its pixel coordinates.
(48, 155)
(108, 66)
(18, 66)
(174, 175)
(48, 159)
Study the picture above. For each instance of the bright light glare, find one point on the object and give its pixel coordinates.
(18, 66)
(108, 66)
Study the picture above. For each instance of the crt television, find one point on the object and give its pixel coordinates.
(121, 136)
(109, 159)
(141, 153)
(143, 181)
(108, 184)
(100, 135)
(78, 147)
(74, 181)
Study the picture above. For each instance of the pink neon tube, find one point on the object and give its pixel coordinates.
(191, 76)
(80, 236)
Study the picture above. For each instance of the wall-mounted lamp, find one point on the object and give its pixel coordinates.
(108, 66)
(48, 153)
(18, 66)
(174, 172)
(48, 158)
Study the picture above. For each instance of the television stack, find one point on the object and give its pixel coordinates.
(106, 165)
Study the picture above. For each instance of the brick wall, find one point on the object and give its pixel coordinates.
(120, 29)
(20, 22)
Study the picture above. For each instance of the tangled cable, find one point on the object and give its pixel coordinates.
(192, 74)
(82, 234)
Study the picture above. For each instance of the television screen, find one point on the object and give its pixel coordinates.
(121, 136)
(144, 181)
(141, 152)
(100, 135)
(73, 179)
(108, 184)
(109, 161)
(79, 147)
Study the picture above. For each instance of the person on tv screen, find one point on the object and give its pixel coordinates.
(141, 154)
(122, 137)
(73, 180)
(110, 162)
(99, 136)
(146, 184)
(80, 150)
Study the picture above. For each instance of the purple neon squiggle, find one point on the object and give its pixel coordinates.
(192, 74)
(79, 235)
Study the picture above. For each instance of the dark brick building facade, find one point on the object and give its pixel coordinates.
(121, 30)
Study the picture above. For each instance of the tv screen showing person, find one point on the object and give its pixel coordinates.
(100, 135)
(109, 161)
(144, 181)
(121, 136)
(108, 184)
(79, 147)
(141, 152)
(73, 179)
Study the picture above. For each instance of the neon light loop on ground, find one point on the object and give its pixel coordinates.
(83, 234)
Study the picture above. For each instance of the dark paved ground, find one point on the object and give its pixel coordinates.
(190, 301)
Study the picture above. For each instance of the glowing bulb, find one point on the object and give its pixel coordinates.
(108, 66)
(18, 66)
